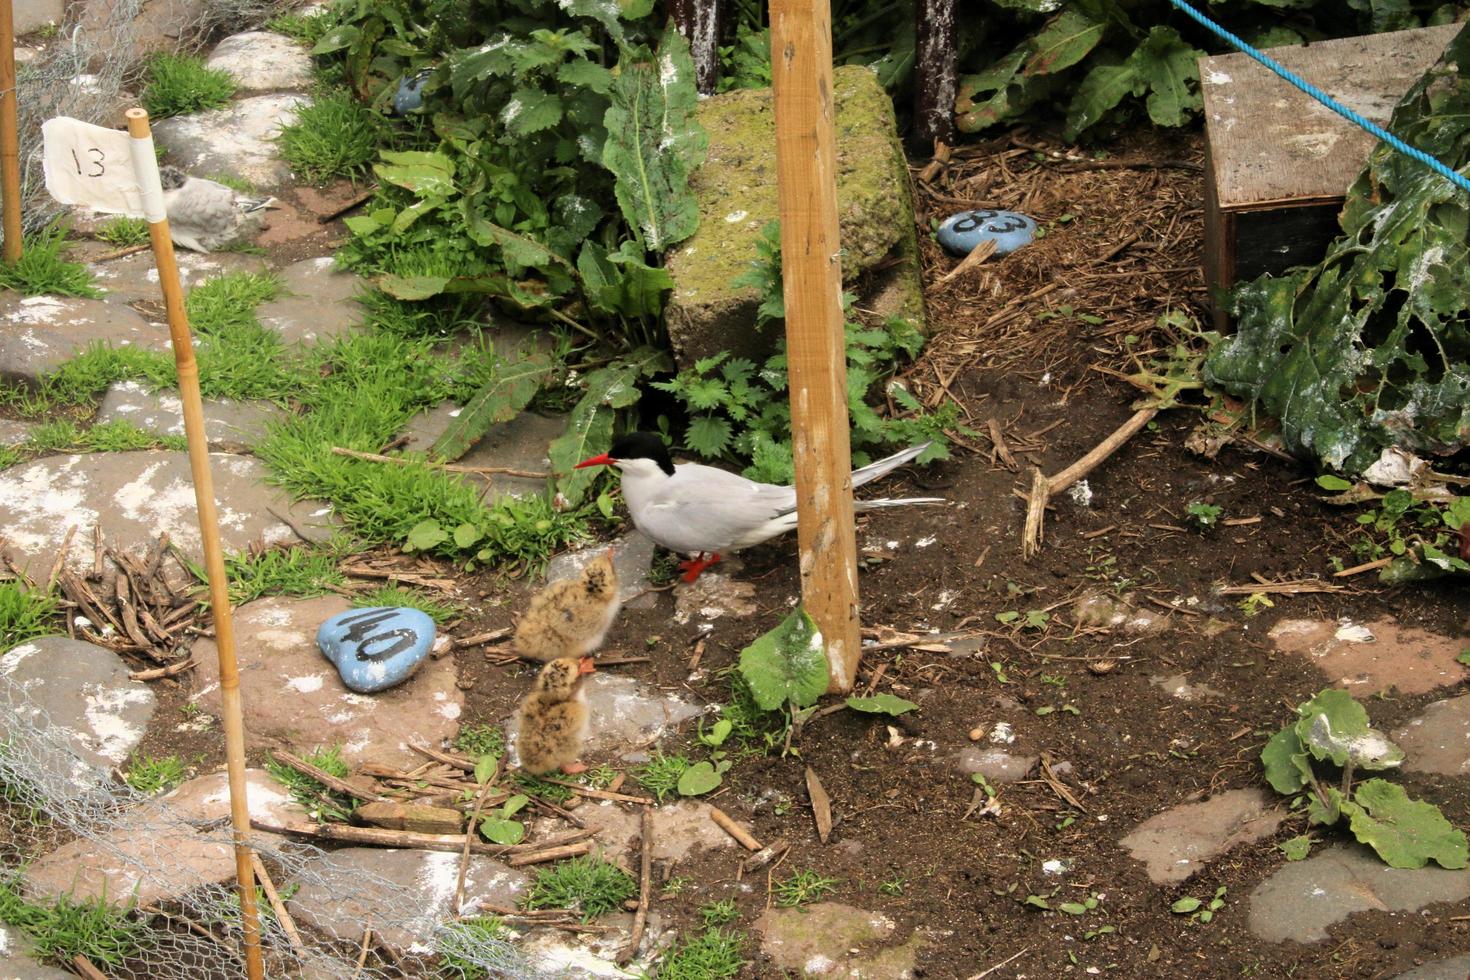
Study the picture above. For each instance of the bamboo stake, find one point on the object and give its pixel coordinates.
(231, 705)
(9, 137)
(806, 168)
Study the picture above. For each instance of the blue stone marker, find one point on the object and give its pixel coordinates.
(1010, 230)
(376, 648)
(410, 94)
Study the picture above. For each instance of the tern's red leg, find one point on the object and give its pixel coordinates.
(572, 768)
(693, 567)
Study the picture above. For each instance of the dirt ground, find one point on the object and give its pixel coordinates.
(1018, 341)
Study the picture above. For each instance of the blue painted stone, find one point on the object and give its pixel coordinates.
(410, 94)
(378, 647)
(1010, 230)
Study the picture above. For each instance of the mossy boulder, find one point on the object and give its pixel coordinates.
(736, 188)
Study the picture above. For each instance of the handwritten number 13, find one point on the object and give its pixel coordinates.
(97, 156)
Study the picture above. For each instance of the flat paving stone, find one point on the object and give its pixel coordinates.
(17, 961)
(997, 765)
(1457, 968)
(1439, 739)
(1177, 686)
(679, 830)
(1183, 839)
(260, 61)
(632, 558)
(40, 333)
(14, 431)
(317, 302)
(402, 895)
(235, 141)
(80, 696)
(231, 426)
(136, 496)
(523, 444)
(295, 699)
(206, 799)
(714, 595)
(148, 860)
(1370, 657)
(134, 279)
(829, 939)
(1301, 900)
(626, 717)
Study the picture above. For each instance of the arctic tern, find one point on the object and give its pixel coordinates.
(700, 510)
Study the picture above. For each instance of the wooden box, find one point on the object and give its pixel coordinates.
(1277, 162)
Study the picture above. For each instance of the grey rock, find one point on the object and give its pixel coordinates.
(1177, 686)
(626, 717)
(148, 859)
(136, 496)
(158, 25)
(235, 141)
(632, 558)
(80, 696)
(997, 765)
(231, 426)
(402, 895)
(1183, 839)
(133, 278)
(736, 191)
(316, 303)
(206, 799)
(826, 939)
(1439, 739)
(714, 595)
(679, 830)
(13, 431)
(32, 15)
(17, 961)
(1301, 900)
(40, 333)
(260, 61)
(1452, 969)
(522, 444)
(294, 698)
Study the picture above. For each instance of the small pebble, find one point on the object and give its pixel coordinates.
(976, 734)
(1010, 230)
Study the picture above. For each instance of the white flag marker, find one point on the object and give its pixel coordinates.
(104, 169)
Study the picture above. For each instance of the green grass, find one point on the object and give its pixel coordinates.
(335, 136)
(322, 803)
(123, 231)
(235, 184)
(25, 613)
(180, 83)
(306, 28)
(802, 887)
(42, 269)
(540, 788)
(477, 740)
(394, 595)
(588, 885)
(719, 913)
(151, 775)
(461, 939)
(228, 302)
(298, 571)
(660, 775)
(713, 955)
(118, 436)
(441, 316)
(61, 930)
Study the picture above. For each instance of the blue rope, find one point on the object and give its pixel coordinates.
(1458, 180)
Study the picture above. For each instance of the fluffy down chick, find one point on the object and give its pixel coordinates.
(553, 718)
(570, 617)
(205, 215)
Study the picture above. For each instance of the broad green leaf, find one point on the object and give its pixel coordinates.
(882, 704)
(1323, 814)
(1335, 727)
(1283, 757)
(717, 734)
(413, 287)
(1072, 908)
(336, 39)
(502, 831)
(585, 74)
(1103, 88)
(1335, 483)
(485, 767)
(511, 389)
(787, 664)
(698, 779)
(515, 805)
(1406, 833)
(425, 536)
(530, 110)
(466, 536)
(1185, 905)
(517, 250)
(1063, 42)
(1297, 848)
(708, 435)
(426, 174)
(654, 143)
(590, 425)
(999, 92)
(1172, 70)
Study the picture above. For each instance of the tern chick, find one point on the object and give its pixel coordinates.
(570, 617)
(553, 718)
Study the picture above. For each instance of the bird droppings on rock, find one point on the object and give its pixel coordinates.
(1371, 657)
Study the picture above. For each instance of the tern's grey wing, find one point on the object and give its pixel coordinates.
(204, 208)
(706, 509)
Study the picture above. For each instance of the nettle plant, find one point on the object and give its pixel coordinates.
(1315, 760)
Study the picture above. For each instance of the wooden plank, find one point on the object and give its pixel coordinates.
(806, 184)
(1271, 142)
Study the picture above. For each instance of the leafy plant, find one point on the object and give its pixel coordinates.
(181, 83)
(1031, 619)
(1424, 538)
(322, 804)
(1202, 515)
(295, 571)
(123, 231)
(102, 932)
(788, 665)
(334, 136)
(1199, 910)
(42, 270)
(661, 774)
(802, 887)
(882, 704)
(1332, 733)
(719, 913)
(586, 884)
(397, 595)
(150, 775)
(461, 942)
(25, 613)
(477, 740)
(307, 28)
(714, 954)
(703, 777)
(498, 825)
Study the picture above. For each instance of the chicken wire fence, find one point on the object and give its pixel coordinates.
(68, 828)
(93, 69)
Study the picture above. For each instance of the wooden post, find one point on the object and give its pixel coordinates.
(934, 74)
(702, 22)
(9, 138)
(214, 559)
(806, 181)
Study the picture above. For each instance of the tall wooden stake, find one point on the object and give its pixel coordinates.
(9, 139)
(806, 181)
(702, 22)
(214, 558)
(934, 74)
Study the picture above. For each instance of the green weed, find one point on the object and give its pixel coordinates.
(540, 788)
(660, 775)
(477, 740)
(335, 136)
(306, 28)
(298, 571)
(180, 83)
(462, 939)
(118, 436)
(719, 913)
(716, 954)
(64, 929)
(586, 884)
(322, 803)
(123, 231)
(228, 302)
(802, 887)
(149, 775)
(25, 613)
(42, 269)
(394, 595)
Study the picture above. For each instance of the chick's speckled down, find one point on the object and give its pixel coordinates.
(553, 718)
(570, 617)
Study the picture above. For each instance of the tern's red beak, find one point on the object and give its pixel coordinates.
(603, 460)
(586, 666)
